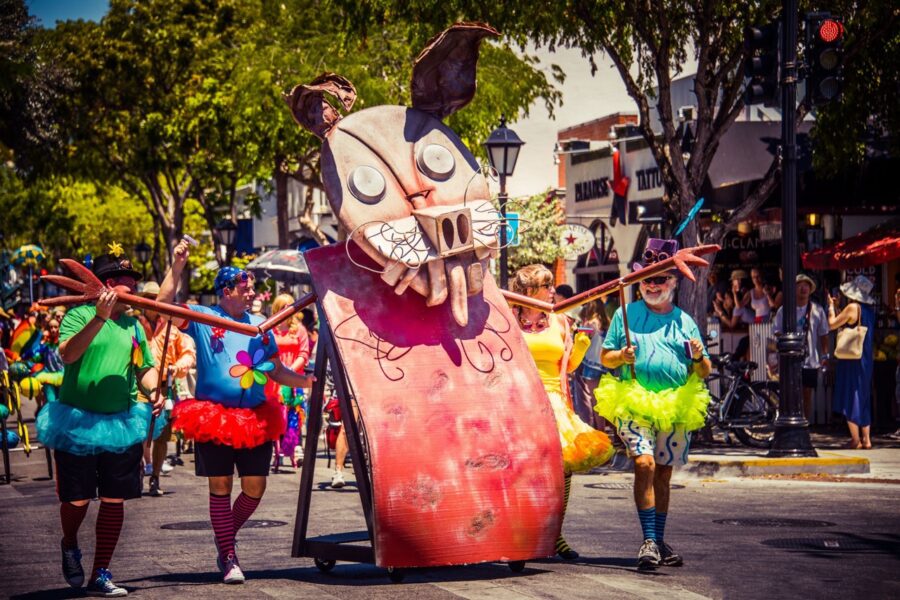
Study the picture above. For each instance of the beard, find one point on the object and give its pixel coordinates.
(661, 298)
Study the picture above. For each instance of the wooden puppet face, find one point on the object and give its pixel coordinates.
(401, 182)
(414, 198)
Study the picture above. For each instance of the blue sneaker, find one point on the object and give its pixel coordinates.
(104, 587)
(71, 566)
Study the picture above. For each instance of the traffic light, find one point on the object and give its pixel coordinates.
(824, 57)
(762, 43)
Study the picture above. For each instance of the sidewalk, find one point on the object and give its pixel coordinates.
(879, 464)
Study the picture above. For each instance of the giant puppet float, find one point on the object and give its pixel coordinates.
(453, 440)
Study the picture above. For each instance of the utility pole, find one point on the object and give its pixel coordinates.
(791, 427)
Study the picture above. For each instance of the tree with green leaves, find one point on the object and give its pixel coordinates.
(650, 43)
(540, 226)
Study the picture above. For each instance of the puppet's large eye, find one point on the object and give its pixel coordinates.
(435, 161)
(367, 184)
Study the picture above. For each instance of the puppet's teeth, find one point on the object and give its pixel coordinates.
(459, 303)
(437, 283)
(405, 281)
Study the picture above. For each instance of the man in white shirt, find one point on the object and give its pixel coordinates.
(817, 343)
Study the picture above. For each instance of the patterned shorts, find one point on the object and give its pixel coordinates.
(668, 448)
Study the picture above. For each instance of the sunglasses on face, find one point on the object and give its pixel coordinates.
(242, 279)
(654, 256)
(660, 280)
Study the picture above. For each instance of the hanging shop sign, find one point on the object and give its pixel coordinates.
(575, 240)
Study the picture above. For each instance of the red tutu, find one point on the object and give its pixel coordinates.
(204, 421)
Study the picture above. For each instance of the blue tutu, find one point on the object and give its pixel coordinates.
(83, 432)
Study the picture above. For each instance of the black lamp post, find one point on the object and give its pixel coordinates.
(227, 230)
(142, 254)
(791, 427)
(503, 150)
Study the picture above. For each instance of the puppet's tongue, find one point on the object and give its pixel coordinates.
(456, 278)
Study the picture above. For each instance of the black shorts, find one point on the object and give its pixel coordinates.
(106, 475)
(216, 460)
(810, 378)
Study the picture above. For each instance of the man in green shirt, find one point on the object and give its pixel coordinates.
(97, 428)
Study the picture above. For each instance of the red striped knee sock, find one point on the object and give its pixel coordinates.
(244, 506)
(109, 525)
(71, 517)
(222, 524)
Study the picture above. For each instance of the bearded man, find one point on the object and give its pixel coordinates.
(659, 397)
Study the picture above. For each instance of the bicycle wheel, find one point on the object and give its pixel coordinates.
(758, 403)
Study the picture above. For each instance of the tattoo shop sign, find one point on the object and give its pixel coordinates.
(575, 240)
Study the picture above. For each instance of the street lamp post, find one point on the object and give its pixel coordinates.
(142, 254)
(503, 150)
(791, 427)
(227, 230)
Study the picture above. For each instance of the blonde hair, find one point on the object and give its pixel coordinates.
(529, 279)
(280, 301)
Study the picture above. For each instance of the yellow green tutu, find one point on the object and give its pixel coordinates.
(583, 447)
(627, 400)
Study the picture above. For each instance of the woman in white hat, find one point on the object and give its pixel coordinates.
(853, 377)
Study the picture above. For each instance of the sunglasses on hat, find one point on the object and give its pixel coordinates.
(651, 255)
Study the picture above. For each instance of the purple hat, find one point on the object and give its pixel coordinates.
(656, 251)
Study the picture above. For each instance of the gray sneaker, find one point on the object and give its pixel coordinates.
(104, 587)
(668, 557)
(71, 566)
(648, 555)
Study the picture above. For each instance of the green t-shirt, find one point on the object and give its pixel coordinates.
(104, 379)
(661, 361)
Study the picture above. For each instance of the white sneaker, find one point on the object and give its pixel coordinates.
(232, 570)
(337, 480)
(298, 455)
(166, 467)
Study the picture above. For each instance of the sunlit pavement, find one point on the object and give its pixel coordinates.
(741, 538)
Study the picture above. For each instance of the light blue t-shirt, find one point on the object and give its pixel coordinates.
(232, 368)
(661, 359)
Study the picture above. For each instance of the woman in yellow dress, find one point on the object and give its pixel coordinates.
(557, 353)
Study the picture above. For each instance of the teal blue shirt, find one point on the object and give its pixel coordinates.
(661, 360)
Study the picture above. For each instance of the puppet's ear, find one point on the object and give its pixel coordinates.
(443, 79)
(312, 110)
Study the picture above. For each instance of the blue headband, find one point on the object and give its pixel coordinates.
(226, 277)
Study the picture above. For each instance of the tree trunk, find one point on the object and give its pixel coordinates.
(281, 203)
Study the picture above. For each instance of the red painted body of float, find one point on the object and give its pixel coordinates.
(463, 446)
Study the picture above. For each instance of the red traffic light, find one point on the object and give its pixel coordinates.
(830, 31)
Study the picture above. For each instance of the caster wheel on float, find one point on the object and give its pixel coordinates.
(324, 565)
(396, 575)
(517, 566)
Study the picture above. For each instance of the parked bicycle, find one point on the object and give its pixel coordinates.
(743, 407)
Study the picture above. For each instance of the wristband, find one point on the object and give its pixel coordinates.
(99, 318)
(697, 360)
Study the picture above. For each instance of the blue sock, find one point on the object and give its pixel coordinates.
(660, 526)
(648, 522)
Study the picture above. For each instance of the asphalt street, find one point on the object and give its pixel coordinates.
(741, 538)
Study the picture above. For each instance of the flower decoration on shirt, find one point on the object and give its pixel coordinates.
(137, 356)
(115, 249)
(216, 340)
(251, 370)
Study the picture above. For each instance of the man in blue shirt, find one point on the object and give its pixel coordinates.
(655, 411)
(230, 421)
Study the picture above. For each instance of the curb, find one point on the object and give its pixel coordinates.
(729, 466)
